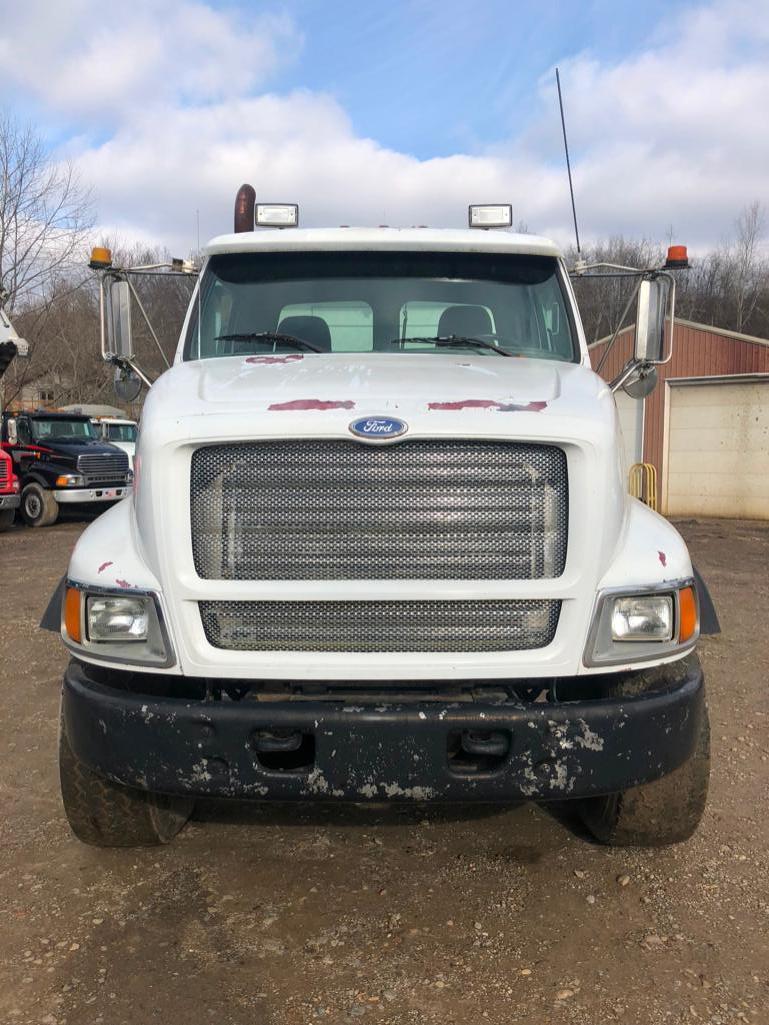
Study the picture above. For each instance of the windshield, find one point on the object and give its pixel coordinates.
(121, 432)
(62, 430)
(381, 302)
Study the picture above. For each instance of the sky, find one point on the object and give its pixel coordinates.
(400, 112)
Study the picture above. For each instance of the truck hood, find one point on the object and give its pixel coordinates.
(368, 384)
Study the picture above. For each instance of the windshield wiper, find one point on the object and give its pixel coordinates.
(269, 336)
(454, 341)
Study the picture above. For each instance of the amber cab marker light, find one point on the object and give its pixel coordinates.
(72, 622)
(101, 258)
(677, 259)
(688, 616)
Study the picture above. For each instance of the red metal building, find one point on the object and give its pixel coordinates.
(705, 427)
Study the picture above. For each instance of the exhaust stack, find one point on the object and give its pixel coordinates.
(244, 208)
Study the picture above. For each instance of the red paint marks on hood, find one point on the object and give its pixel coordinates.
(500, 407)
(302, 405)
(104, 566)
(123, 583)
(663, 558)
(274, 359)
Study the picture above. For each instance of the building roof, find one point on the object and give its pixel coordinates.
(711, 328)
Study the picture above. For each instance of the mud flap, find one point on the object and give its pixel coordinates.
(708, 619)
(52, 616)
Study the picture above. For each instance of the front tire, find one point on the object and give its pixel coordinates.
(665, 811)
(106, 814)
(38, 506)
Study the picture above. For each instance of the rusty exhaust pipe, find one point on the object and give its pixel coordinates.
(244, 208)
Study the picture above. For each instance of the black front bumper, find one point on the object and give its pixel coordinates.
(376, 752)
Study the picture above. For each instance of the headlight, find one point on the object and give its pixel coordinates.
(639, 627)
(648, 617)
(117, 619)
(115, 627)
(70, 480)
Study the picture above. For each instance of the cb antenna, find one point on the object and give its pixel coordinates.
(568, 162)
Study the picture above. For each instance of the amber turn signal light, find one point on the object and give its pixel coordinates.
(72, 617)
(688, 614)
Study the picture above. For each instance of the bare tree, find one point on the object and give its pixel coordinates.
(45, 213)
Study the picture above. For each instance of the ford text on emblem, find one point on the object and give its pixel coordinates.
(378, 428)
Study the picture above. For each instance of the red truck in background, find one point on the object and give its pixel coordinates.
(10, 345)
(9, 491)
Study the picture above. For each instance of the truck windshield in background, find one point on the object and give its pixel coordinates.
(381, 302)
(58, 429)
(120, 432)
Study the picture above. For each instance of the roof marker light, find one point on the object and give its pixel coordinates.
(277, 215)
(499, 215)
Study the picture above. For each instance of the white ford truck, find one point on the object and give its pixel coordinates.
(380, 548)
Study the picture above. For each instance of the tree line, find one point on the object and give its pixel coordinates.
(47, 216)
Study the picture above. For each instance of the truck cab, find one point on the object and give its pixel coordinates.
(120, 433)
(380, 548)
(60, 460)
(9, 491)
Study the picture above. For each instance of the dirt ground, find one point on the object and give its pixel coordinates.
(281, 916)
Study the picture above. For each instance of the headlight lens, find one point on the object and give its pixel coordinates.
(123, 627)
(644, 618)
(645, 626)
(118, 619)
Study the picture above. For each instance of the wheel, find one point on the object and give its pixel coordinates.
(656, 814)
(38, 506)
(106, 814)
(6, 518)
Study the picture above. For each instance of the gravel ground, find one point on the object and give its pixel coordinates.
(267, 915)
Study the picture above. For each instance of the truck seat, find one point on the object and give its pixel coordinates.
(310, 329)
(466, 321)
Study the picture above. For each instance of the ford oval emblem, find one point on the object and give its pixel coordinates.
(378, 428)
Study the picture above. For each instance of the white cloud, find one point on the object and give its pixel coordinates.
(104, 62)
(670, 136)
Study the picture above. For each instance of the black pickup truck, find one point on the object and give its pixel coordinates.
(59, 460)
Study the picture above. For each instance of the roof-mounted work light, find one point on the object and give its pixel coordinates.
(277, 215)
(499, 215)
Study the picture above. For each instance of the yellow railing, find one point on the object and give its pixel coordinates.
(642, 483)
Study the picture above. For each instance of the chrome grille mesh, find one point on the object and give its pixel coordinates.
(320, 510)
(104, 466)
(4, 475)
(380, 626)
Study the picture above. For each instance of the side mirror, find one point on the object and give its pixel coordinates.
(118, 316)
(13, 437)
(642, 382)
(653, 295)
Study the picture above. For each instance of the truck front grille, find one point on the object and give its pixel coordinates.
(103, 467)
(380, 626)
(5, 479)
(330, 510)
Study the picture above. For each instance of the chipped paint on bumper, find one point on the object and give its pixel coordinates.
(387, 752)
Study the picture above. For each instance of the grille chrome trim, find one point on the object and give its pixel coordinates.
(103, 467)
(338, 510)
(380, 626)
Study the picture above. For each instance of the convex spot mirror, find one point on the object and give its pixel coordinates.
(642, 383)
(118, 311)
(127, 384)
(653, 296)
